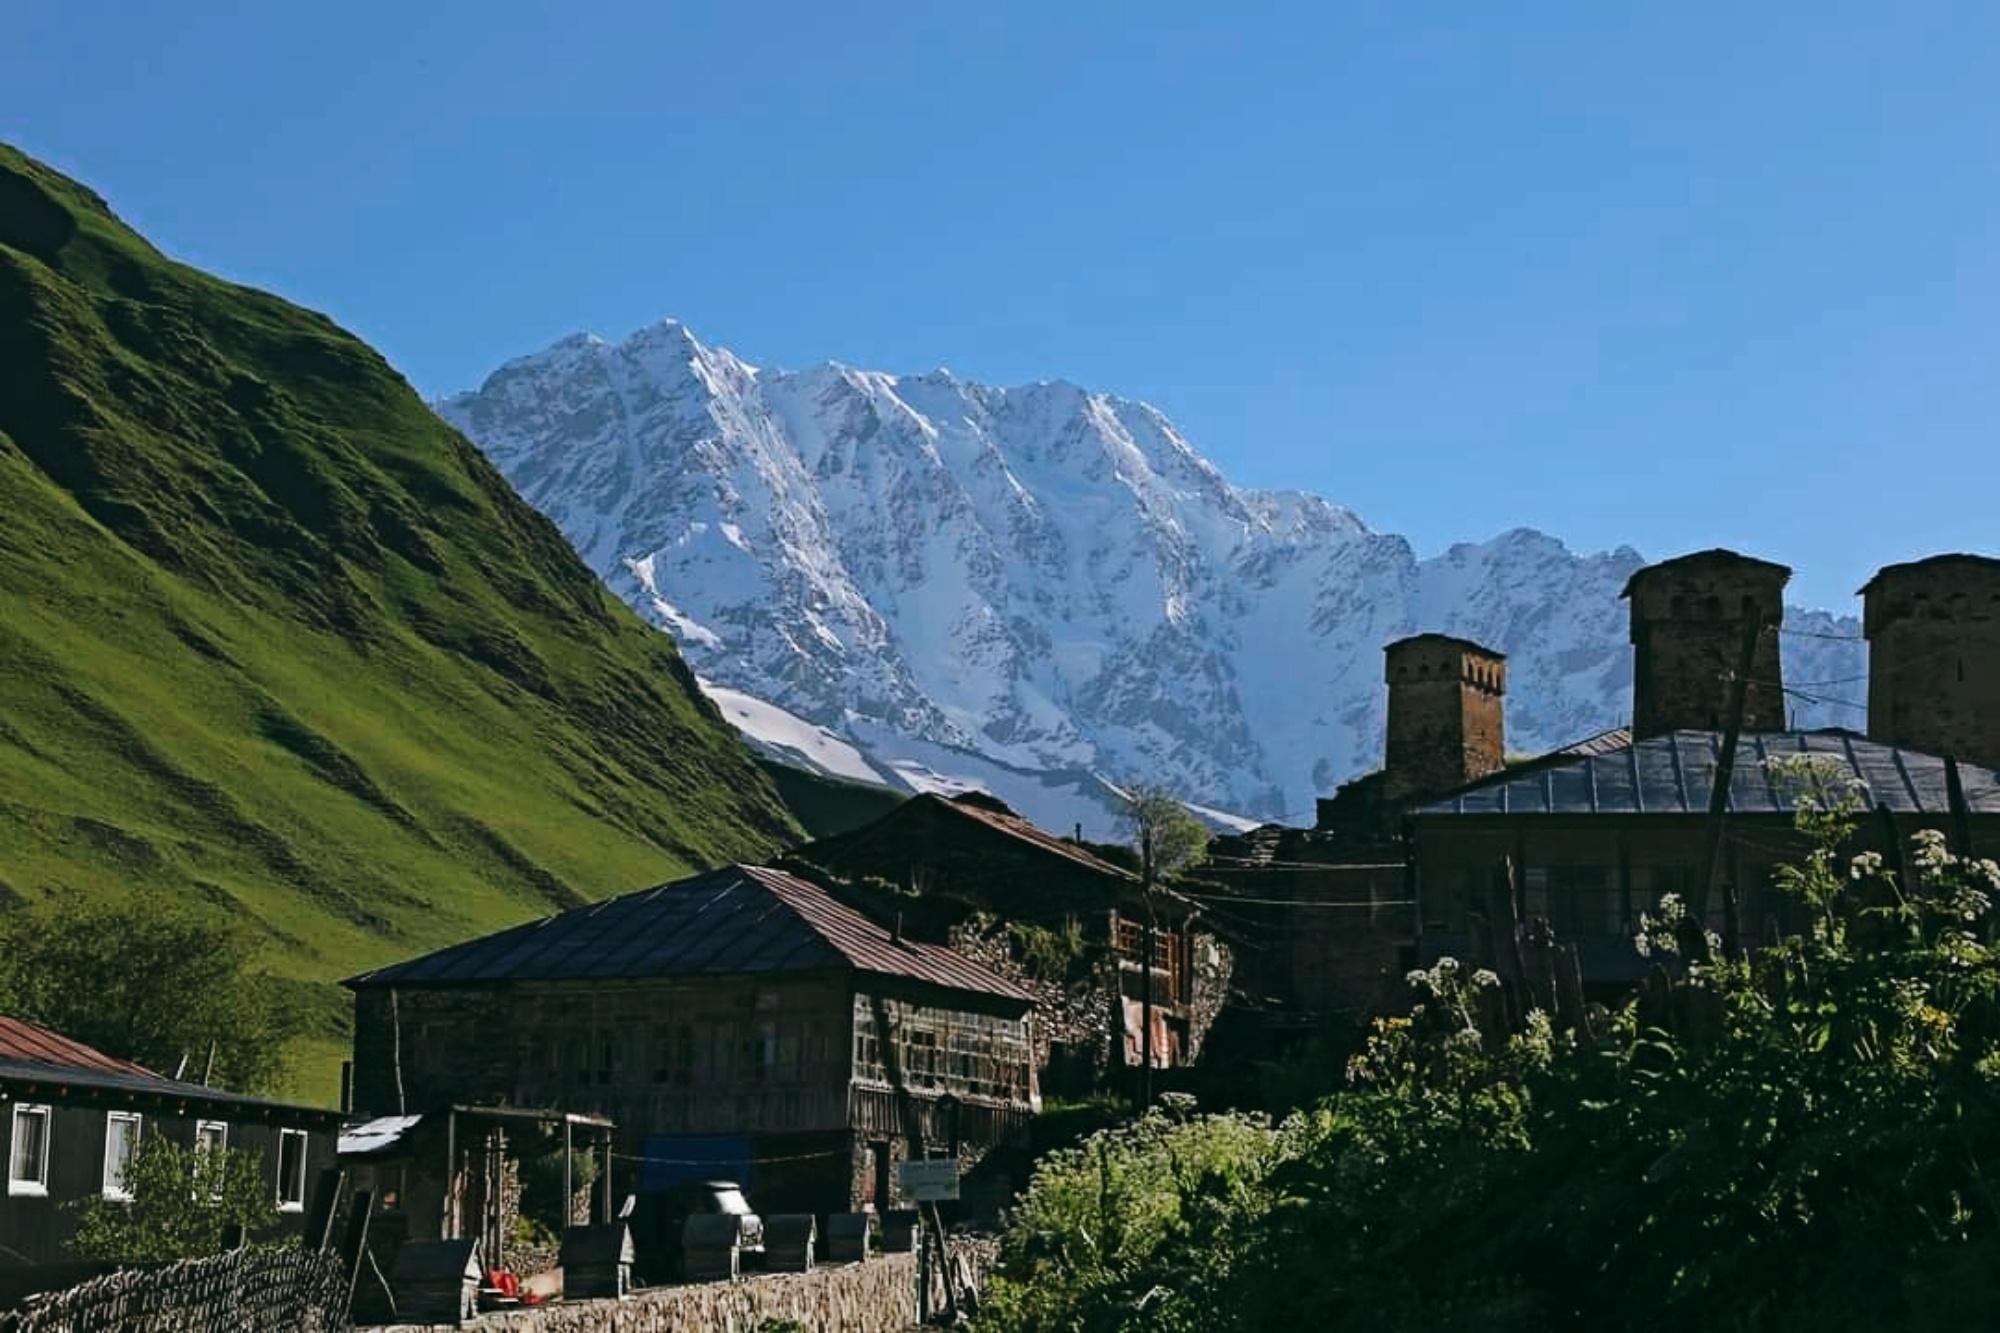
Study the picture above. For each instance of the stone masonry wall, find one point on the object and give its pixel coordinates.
(879, 1296)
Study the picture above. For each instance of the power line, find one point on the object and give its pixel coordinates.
(1218, 900)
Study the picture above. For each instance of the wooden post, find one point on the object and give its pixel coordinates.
(1694, 932)
(1510, 923)
(604, 1214)
(569, 1181)
(1961, 818)
(450, 1175)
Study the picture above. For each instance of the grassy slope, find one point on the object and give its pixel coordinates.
(274, 637)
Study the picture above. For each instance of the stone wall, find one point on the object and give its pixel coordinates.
(1689, 618)
(1933, 632)
(879, 1296)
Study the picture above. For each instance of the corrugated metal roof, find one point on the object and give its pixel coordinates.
(22, 1042)
(1675, 773)
(373, 1136)
(31, 1053)
(732, 920)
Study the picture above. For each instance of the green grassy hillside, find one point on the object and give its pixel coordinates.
(275, 638)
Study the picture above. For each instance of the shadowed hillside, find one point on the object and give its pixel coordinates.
(275, 638)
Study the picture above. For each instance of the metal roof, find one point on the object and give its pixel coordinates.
(30, 1043)
(733, 920)
(1674, 774)
(31, 1053)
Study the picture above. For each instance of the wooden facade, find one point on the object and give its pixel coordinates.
(803, 1068)
(934, 862)
(63, 1128)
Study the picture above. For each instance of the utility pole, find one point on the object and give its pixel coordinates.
(1146, 973)
(1694, 936)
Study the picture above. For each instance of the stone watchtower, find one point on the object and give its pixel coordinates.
(1933, 629)
(1446, 715)
(1689, 616)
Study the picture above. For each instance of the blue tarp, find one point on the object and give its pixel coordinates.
(671, 1159)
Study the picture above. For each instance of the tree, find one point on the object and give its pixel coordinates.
(183, 1201)
(149, 982)
(1166, 836)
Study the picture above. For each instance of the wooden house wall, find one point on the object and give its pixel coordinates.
(985, 1059)
(728, 1054)
(35, 1229)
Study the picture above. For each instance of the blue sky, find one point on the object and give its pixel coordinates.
(1669, 276)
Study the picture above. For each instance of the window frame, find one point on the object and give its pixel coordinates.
(19, 1187)
(297, 1205)
(112, 1184)
(221, 1150)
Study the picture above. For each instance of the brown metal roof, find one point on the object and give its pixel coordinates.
(22, 1042)
(33, 1055)
(732, 920)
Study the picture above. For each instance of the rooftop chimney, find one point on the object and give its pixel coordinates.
(1933, 630)
(1446, 717)
(1689, 618)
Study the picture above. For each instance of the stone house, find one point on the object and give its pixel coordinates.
(1330, 911)
(939, 863)
(73, 1116)
(1588, 840)
(1397, 869)
(739, 1024)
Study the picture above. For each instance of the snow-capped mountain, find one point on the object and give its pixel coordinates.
(1033, 590)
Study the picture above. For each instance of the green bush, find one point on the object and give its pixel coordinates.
(183, 1201)
(1798, 1139)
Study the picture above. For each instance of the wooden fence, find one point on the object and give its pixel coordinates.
(257, 1290)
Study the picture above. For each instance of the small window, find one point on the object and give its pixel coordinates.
(28, 1151)
(121, 1145)
(211, 1150)
(291, 1170)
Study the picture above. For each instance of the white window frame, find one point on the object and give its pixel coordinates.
(221, 1149)
(114, 1183)
(297, 1205)
(39, 1186)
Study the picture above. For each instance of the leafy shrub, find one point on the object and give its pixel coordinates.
(184, 1199)
(1795, 1139)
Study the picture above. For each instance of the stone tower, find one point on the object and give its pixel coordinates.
(1689, 616)
(1933, 629)
(1446, 715)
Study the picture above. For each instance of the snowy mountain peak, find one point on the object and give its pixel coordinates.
(1030, 589)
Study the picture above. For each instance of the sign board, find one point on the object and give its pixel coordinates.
(929, 1181)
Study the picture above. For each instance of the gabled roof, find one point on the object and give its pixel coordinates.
(1674, 774)
(33, 1054)
(1015, 827)
(738, 919)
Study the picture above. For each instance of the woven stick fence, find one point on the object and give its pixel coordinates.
(245, 1291)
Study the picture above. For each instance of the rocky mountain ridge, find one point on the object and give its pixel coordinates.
(1037, 589)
